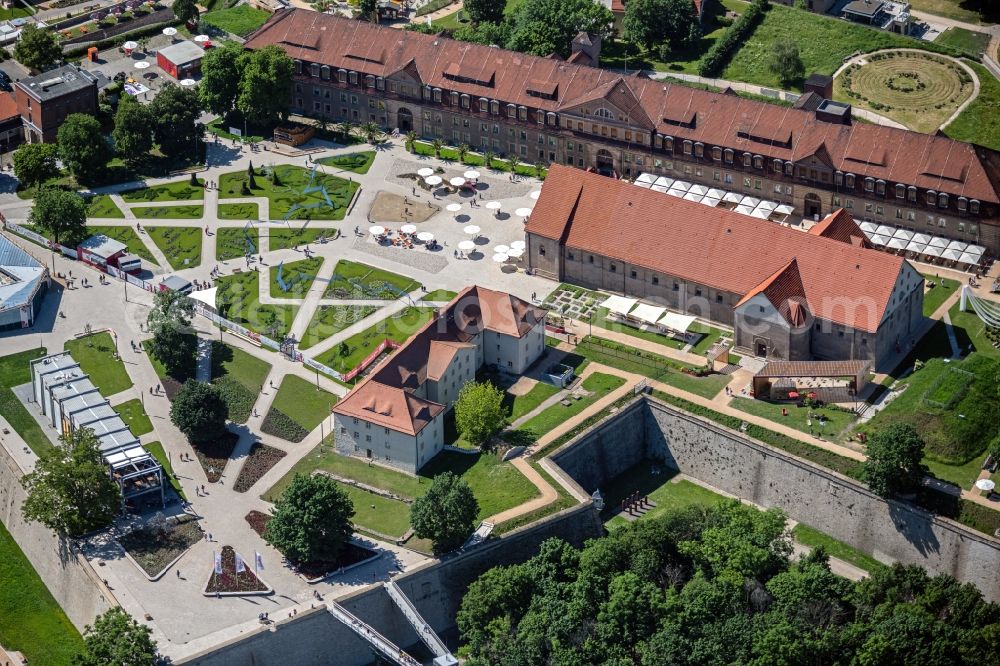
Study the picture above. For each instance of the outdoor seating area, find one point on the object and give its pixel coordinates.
(828, 381)
(650, 318)
(924, 247)
(716, 198)
(407, 237)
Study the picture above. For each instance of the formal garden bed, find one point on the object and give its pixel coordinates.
(331, 319)
(102, 206)
(214, 456)
(283, 238)
(238, 299)
(231, 242)
(161, 542)
(283, 186)
(238, 211)
(233, 583)
(258, 463)
(181, 212)
(240, 377)
(180, 245)
(351, 555)
(360, 281)
(297, 277)
(180, 190)
(298, 408)
(357, 162)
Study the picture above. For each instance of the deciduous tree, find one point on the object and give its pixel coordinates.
(37, 48)
(786, 62)
(220, 78)
(83, 147)
(312, 520)
(484, 11)
(35, 163)
(117, 639)
(651, 22)
(186, 10)
(61, 214)
(173, 343)
(446, 513)
(175, 111)
(133, 133)
(367, 9)
(479, 411)
(544, 27)
(894, 460)
(200, 412)
(70, 490)
(265, 84)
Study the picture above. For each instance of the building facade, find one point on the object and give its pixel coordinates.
(396, 415)
(24, 281)
(45, 100)
(548, 111)
(787, 294)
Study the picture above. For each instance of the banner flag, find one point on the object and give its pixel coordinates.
(218, 562)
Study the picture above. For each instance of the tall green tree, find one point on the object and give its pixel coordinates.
(37, 48)
(786, 62)
(220, 78)
(83, 147)
(186, 10)
(649, 23)
(133, 132)
(175, 111)
(200, 412)
(544, 27)
(479, 411)
(312, 520)
(70, 490)
(484, 11)
(894, 464)
(446, 513)
(367, 9)
(265, 85)
(174, 344)
(115, 639)
(34, 163)
(61, 214)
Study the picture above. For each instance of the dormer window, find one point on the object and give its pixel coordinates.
(314, 70)
(931, 197)
(699, 149)
(342, 75)
(849, 180)
(963, 204)
(551, 118)
(869, 184)
(900, 191)
(658, 141)
(789, 168)
(495, 108)
(539, 116)
(511, 111)
(911, 193)
(728, 154)
(880, 187)
(974, 205)
(380, 83)
(324, 72)
(777, 165)
(353, 78)
(687, 147)
(758, 162)
(298, 66)
(437, 94)
(747, 159)
(454, 98)
(369, 81)
(484, 105)
(942, 200)
(838, 178)
(466, 101)
(717, 154)
(668, 143)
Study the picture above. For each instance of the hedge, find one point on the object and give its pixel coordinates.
(713, 62)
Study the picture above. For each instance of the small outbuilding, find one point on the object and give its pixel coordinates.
(181, 60)
(100, 251)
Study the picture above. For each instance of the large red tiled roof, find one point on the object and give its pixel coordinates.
(931, 162)
(839, 225)
(717, 248)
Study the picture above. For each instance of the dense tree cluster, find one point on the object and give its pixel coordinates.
(255, 83)
(717, 587)
(312, 520)
(115, 638)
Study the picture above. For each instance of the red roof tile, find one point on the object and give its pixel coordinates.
(839, 225)
(717, 248)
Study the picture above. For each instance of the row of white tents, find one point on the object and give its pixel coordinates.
(712, 196)
(643, 315)
(922, 245)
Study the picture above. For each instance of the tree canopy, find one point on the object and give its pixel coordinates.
(220, 77)
(62, 214)
(200, 412)
(175, 111)
(265, 84)
(312, 520)
(83, 147)
(786, 62)
(70, 490)
(185, 10)
(479, 411)
(544, 27)
(37, 48)
(133, 132)
(367, 9)
(446, 513)
(716, 586)
(116, 639)
(35, 163)
(894, 460)
(650, 23)
(173, 343)
(484, 11)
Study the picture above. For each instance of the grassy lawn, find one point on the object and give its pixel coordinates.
(169, 212)
(240, 20)
(439, 295)
(823, 44)
(303, 402)
(14, 371)
(331, 319)
(917, 89)
(238, 211)
(232, 242)
(355, 280)
(970, 331)
(599, 384)
(523, 404)
(31, 620)
(498, 486)
(156, 450)
(809, 536)
(835, 420)
(356, 162)
(954, 9)
(297, 276)
(240, 378)
(397, 328)
(95, 354)
(134, 416)
(128, 236)
(938, 293)
(709, 334)
(381, 514)
(287, 195)
(282, 238)
(979, 123)
(663, 489)
(968, 41)
(180, 190)
(180, 245)
(962, 476)
(238, 300)
(101, 205)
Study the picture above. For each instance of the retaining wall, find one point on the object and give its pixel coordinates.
(66, 573)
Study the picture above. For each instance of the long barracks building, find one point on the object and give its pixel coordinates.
(547, 110)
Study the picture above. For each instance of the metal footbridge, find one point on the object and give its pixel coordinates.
(442, 656)
(367, 633)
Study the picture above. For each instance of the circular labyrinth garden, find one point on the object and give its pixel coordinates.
(918, 90)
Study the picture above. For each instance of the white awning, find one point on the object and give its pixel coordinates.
(677, 322)
(680, 185)
(932, 251)
(976, 249)
(868, 226)
(784, 209)
(663, 181)
(676, 193)
(699, 189)
(915, 246)
(767, 205)
(206, 296)
(733, 197)
(647, 313)
(619, 304)
(886, 230)
(716, 193)
(645, 179)
(905, 234)
(660, 188)
(752, 202)
(923, 239)
(968, 258)
(951, 254)
(760, 213)
(897, 243)
(711, 201)
(958, 245)
(746, 210)
(937, 241)
(694, 196)
(879, 239)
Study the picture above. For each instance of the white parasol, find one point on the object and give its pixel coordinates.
(408, 228)
(516, 252)
(518, 245)
(425, 236)
(130, 46)
(202, 38)
(471, 174)
(425, 171)
(457, 181)
(535, 194)
(453, 207)
(985, 484)
(499, 258)
(522, 212)
(471, 229)
(376, 230)
(169, 31)
(142, 64)
(433, 180)
(501, 249)
(494, 205)
(466, 245)
(187, 83)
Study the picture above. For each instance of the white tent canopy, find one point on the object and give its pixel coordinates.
(879, 239)
(916, 246)
(647, 313)
(646, 179)
(868, 227)
(897, 243)
(694, 196)
(676, 321)
(206, 296)
(619, 305)
(905, 234)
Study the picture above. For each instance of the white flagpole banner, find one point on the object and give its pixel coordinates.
(218, 562)
(258, 560)
(240, 567)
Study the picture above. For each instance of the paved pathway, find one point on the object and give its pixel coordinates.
(548, 494)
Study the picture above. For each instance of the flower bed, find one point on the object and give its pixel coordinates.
(281, 425)
(154, 549)
(214, 455)
(261, 459)
(350, 555)
(229, 582)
